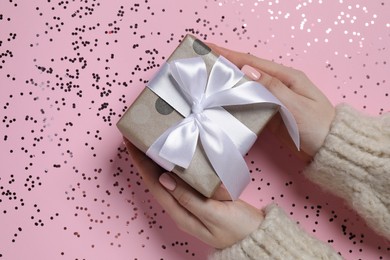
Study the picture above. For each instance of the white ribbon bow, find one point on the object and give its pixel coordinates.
(185, 85)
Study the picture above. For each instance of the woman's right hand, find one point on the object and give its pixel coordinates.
(310, 107)
(217, 221)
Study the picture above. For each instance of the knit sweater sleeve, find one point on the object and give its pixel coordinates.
(354, 164)
(277, 237)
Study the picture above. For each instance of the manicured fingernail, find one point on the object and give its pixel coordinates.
(250, 72)
(167, 181)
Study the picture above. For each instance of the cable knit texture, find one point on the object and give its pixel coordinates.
(277, 237)
(354, 163)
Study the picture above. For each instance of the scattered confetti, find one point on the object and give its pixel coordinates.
(70, 69)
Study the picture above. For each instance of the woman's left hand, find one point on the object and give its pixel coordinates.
(217, 222)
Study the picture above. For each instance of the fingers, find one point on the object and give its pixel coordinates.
(276, 126)
(151, 173)
(188, 208)
(274, 85)
(240, 59)
(176, 209)
(211, 221)
(209, 212)
(186, 196)
(219, 218)
(221, 194)
(294, 79)
(287, 96)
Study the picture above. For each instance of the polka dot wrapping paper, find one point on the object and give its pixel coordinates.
(69, 70)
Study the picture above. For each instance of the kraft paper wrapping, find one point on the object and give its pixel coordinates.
(150, 116)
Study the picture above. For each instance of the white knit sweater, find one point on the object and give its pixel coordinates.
(353, 163)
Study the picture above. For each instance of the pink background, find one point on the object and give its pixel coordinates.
(68, 71)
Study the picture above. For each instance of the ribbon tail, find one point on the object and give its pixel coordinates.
(241, 136)
(220, 151)
(249, 92)
(291, 125)
(252, 92)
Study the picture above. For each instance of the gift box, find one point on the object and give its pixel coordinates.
(203, 144)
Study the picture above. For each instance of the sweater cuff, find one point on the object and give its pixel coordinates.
(277, 237)
(354, 164)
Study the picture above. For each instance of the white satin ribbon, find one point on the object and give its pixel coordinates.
(185, 85)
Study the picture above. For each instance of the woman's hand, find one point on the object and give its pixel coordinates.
(310, 107)
(214, 221)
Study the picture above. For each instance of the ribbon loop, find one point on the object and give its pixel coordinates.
(184, 72)
(231, 76)
(223, 137)
(190, 131)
